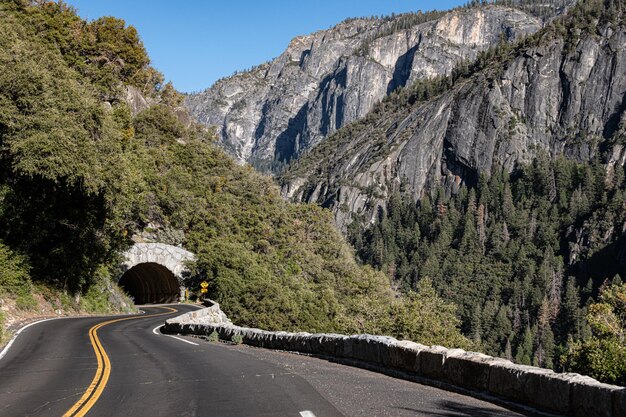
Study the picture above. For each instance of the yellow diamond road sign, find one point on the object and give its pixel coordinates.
(204, 284)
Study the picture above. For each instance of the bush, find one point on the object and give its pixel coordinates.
(237, 339)
(25, 301)
(602, 359)
(15, 278)
(14, 272)
(213, 337)
(106, 298)
(603, 356)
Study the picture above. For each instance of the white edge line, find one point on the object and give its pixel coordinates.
(8, 346)
(182, 340)
(157, 328)
(169, 335)
(307, 413)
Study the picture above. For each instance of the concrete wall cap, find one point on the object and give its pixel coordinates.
(437, 348)
(455, 353)
(407, 344)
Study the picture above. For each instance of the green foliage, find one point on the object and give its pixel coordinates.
(602, 359)
(603, 356)
(105, 50)
(14, 271)
(96, 298)
(502, 252)
(94, 301)
(213, 337)
(15, 278)
(428, 318)
(237, 339)
(171, 97)
(26, 302)
(58, 299)
(58, 173)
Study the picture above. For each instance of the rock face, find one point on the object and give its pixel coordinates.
(271, 114)
(556, 94)
(137, 101)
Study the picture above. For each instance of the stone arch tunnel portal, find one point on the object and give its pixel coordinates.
(155, 273)
(149, 283)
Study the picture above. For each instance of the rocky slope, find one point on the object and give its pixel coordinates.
(563, 92)
(271, 114)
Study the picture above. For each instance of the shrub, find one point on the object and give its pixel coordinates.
(213, 337)
(25, 301)
(15, 278)
(237, 339)
(603, 356)
(14, 272)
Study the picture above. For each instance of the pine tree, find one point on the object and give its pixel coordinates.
(507, 350)
(545, 337)
(525, 348)
(476, 325)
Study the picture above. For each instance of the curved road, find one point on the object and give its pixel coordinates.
(52, 364)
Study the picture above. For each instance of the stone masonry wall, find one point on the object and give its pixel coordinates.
(171, 257)
(563, 393)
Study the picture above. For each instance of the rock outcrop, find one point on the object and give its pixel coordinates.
(561, 93)
(271, 114)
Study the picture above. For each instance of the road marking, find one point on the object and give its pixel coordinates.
(182, 340)
(307, 413)
(99, 382)
(169, 335)
(8, 346)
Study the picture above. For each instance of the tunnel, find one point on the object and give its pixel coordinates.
(150, 283)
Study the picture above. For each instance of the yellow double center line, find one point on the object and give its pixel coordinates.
(103, 372)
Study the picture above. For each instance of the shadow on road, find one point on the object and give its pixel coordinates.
(455, 409)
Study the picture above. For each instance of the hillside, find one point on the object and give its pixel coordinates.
(272, 114)
(503, 183)
(95, 150)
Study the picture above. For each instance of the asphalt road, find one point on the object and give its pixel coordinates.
(52, 369)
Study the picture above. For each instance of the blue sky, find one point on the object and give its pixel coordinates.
(195, 42)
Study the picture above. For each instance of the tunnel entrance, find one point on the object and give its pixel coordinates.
(150, 283)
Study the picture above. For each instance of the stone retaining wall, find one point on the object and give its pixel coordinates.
(567, 393)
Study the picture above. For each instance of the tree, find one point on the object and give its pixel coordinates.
(525, 348)
(603, 356)
(426, 318)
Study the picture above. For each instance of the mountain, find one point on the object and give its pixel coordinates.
(272, 114)
(560, 92)
(503, 183)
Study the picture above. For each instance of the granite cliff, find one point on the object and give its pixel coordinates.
(560, 92)
(271, 114)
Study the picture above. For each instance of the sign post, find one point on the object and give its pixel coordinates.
(204, 289)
